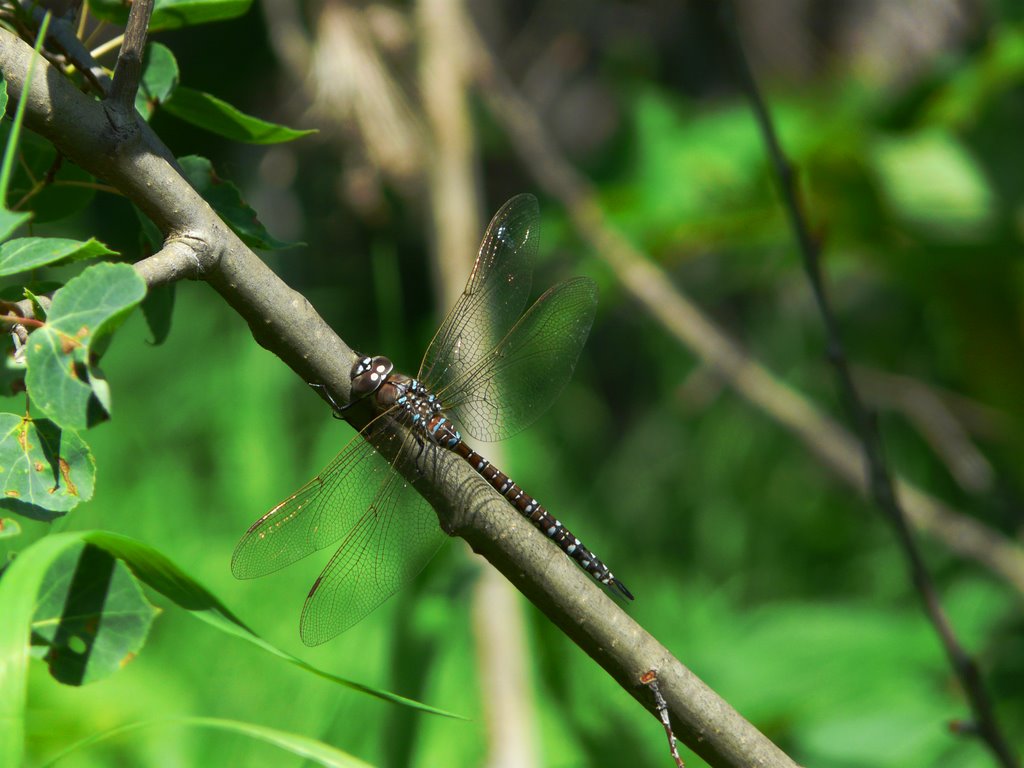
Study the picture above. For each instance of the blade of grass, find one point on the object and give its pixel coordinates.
(9, 220)
(301, 746)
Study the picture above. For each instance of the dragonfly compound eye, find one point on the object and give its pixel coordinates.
(368, 374)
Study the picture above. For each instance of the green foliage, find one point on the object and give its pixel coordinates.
(300, 746)
(957, 203)
(227, 202)
(160, 78)
(25, 253)
(174, 14)
(217, 116)
(91, 618)
(44, 467)
(63, 379)
(770, 579)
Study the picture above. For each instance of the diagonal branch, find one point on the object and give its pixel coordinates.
(199, 245)
(879, 477)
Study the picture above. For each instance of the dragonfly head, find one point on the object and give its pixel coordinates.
(368, 373)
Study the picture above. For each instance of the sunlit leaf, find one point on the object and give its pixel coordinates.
(157, 571)
(297, 744)
(92, 617)
(27, 253)
(43, 467)
(62, 377)
(20, 586)
(930, 181)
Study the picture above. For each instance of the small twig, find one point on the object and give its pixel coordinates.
(128, 72)
(650, 679)
(680, 316)
(104, 48)
(879, 479)
(63, 34)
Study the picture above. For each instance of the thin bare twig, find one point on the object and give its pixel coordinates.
(681, 317)
(865, 424)
(63, 35)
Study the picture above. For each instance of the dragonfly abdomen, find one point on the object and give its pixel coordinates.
(533, 511)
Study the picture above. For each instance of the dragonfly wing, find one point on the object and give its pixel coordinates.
(514, 384)
(494, 297)
(387, 546)
(316, 515)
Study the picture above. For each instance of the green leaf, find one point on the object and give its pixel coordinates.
(173, 14)
(10, 221)
(219, 117)
(225, 198)
(931, 182)
(20, 585)
(158, 309)
(91, 617)
(27, 253)
(301, 746)
(63, 380)
(43, 467)
(159, 79)
(977, 81)
(152, 568)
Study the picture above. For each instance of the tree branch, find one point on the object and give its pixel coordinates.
(128, 72)
(200, 245)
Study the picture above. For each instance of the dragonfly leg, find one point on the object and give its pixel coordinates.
(336, 410)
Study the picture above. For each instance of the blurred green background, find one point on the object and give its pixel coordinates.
(774, 582)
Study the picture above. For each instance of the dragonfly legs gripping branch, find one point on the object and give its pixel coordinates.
(495, 369)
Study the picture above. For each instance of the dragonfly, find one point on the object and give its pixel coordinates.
(490, 368)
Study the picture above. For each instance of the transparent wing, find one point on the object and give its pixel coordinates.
(494, 296)
(316, 515)
(388, 545)
(514, 384)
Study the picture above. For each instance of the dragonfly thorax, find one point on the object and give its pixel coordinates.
(417, 408)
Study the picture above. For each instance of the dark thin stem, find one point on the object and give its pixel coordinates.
(64, 35)
(879, 479)
(128, 71)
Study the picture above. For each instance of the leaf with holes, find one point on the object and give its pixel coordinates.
(45, 471)
(91, 617)
(63, 379)
(27, 253)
